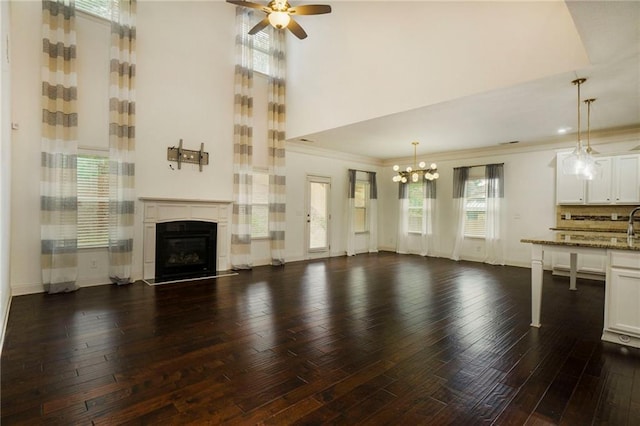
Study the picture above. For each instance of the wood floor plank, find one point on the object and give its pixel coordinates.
(373, 339)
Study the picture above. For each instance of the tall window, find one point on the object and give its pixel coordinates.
(361, 203)
(261, 44)
(475, 207)
(260, 205)
(100, 8)
(415, 210)
(93, 201)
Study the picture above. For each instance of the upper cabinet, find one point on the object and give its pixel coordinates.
(617, 182)
(569, 189)
(626, 179)
(600, 189)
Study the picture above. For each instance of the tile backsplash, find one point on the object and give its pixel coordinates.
(593, 218)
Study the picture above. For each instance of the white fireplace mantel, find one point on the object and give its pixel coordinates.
(158, 210)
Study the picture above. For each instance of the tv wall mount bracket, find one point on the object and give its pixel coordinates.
(181, 155)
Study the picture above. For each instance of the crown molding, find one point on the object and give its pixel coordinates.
(558, 143)
(564, 142)
(307, 148)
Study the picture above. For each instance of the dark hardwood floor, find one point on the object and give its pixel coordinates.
(367, 340)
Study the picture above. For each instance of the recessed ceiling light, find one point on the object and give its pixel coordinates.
(563, 130)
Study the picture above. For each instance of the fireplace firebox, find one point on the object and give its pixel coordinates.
(185, 249)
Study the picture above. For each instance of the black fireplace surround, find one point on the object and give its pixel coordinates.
(185, 249)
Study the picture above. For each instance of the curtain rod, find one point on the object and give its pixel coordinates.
(363, 171)
(481, 165)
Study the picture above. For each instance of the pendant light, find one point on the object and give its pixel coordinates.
(590, 169)
(576, 163)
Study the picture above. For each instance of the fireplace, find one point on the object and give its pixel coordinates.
(185, 249)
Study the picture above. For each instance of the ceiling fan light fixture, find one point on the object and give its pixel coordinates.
(279, 20)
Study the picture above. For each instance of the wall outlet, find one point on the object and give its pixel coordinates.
(567, 216)
(614, 216)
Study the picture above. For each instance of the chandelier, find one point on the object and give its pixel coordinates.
(417, 172)
(580, 162)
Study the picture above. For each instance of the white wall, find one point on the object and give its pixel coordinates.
(387, 50)
(25, 102)
(302, 163)
(5, 168)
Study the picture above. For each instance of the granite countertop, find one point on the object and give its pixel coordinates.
(606, 240)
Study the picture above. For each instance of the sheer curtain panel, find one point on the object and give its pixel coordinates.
(242, 144)
(122, 112)
(373, 213)
(494, 176)
(276, 137)
(59, 148)
(428, 212)
(351, 204)
(460, 177)
(402, 244)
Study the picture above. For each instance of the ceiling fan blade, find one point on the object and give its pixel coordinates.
(259, 26)
(296, 29)
(250, 4)
(310, 9)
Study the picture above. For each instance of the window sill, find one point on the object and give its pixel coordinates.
(475, 237)
(93, 248)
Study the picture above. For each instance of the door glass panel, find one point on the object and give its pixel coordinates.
(318, 215)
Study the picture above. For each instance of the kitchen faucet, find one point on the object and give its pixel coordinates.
(630, 232)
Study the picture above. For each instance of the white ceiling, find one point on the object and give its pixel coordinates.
(530, 112)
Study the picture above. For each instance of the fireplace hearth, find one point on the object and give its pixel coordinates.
(185, 249)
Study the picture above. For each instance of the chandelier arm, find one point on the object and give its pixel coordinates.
(415, 173)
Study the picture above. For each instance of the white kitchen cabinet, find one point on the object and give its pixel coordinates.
(617, 182)
(599, 190)
(626, 179)
(622, 299)
(569, 189)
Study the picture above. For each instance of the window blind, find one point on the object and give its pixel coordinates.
(360, 203)
(415, 207)
(475, 207)
(93, 201)
(261, 45)
(100, 8)
(260, 205)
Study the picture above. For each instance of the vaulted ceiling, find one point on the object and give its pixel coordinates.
(374, 76)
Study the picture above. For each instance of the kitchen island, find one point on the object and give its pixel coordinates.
(622, 279)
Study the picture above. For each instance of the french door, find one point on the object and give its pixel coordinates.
(318, 217)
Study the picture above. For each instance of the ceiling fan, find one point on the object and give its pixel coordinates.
(279, 15)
